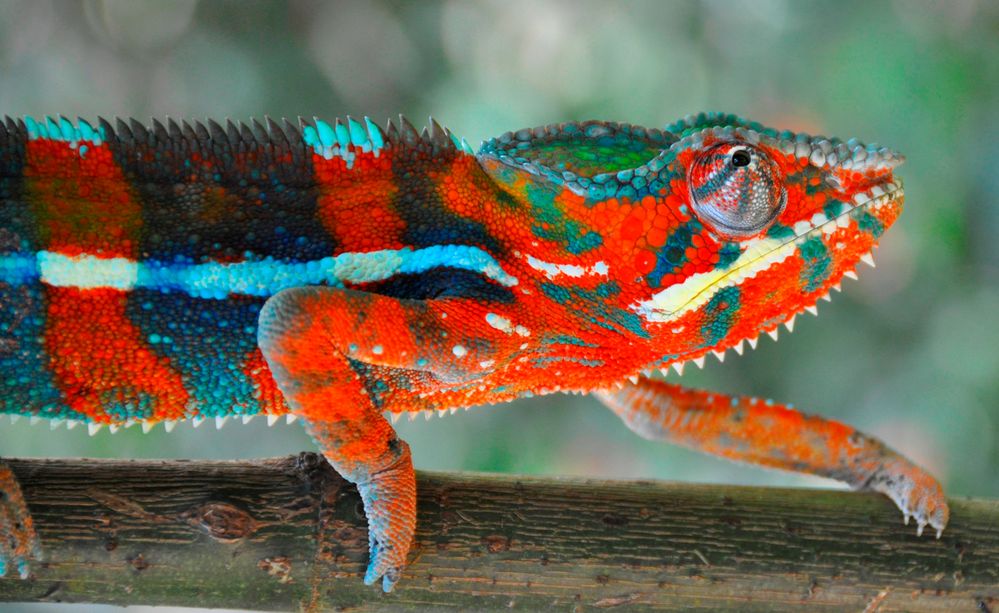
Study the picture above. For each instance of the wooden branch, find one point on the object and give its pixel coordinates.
(244, 535)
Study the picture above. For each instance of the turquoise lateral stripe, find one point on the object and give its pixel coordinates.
(264, 277)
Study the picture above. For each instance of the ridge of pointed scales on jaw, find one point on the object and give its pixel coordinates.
(781, 218)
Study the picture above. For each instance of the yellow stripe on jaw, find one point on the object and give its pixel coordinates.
(694, 291)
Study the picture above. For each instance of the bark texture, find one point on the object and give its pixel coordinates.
(289, 534)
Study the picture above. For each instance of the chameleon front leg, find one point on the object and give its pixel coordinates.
(314, 339)
(760, 432)
(19, 543)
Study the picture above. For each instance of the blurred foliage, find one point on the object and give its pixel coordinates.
(910, 353)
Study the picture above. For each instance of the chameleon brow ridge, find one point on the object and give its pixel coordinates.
(263, 277)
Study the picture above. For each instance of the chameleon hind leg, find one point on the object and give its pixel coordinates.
(760, 432)
(18, 541)
(318, 342)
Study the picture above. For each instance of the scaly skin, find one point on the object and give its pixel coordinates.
(344, 273)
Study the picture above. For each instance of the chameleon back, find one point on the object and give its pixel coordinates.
(134, 261)
(110, 244)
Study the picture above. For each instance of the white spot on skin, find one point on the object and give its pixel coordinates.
(486, 363)
(553, 270)
(505, 325)
(377, 350)
(499, 322)
(459, 351)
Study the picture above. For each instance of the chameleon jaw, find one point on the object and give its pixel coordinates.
(698, 289)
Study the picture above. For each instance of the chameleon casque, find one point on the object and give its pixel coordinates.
(347, 273)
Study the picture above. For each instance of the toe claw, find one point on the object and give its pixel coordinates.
(917, 494)
(372, 574)
(388, 582)
(389, 576)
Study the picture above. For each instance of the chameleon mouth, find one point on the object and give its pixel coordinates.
(698, 289)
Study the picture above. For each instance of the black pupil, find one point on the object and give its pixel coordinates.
(740, 159)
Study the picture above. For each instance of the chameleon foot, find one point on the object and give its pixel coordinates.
(390, 504)
(914, 492)
(18, 542)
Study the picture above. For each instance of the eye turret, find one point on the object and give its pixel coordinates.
(736, 189)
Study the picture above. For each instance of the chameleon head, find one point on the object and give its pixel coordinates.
(698, 237)
(764, 224)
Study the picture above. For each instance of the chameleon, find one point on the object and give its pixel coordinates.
(346, 273)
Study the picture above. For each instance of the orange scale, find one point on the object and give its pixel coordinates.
(645, 262)
(657, 237)
(648, 207)
(665, 222)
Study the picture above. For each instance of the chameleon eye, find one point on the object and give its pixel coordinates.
(736, 189)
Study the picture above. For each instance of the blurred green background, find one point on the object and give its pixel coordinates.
(909, 353)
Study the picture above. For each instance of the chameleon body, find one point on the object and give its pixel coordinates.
(347, 273)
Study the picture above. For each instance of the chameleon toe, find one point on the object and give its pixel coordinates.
(20, 544)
